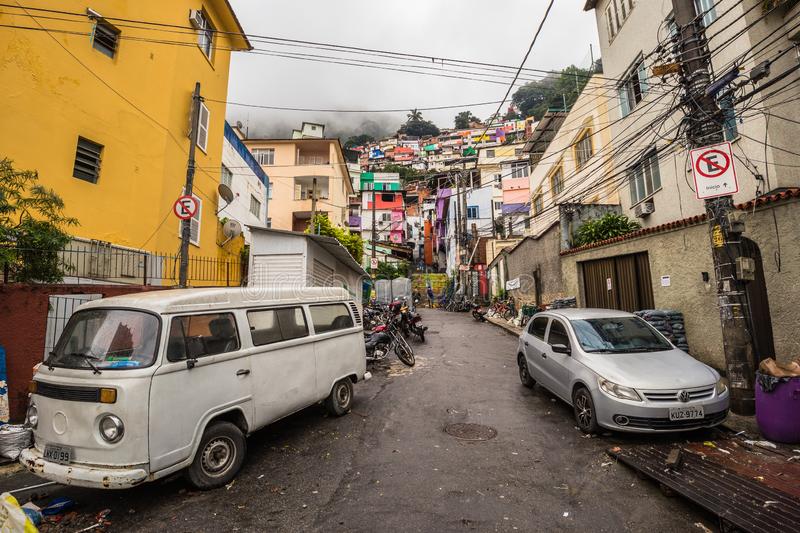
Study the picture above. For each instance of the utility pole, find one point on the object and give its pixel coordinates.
(706, 129)
(372, 261)
(314, 204)
(186, 225)
(458, 227)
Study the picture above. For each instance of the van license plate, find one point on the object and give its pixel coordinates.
(686, 413)
(58, 454)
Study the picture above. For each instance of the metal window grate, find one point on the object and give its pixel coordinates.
(105, 38)
(87, 160)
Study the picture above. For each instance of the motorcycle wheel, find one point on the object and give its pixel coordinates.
(404, 352)
(422, 335)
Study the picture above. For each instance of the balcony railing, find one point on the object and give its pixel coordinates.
(313, 159)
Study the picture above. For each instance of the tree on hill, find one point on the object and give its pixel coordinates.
(358, 140)
(553, 91)
(463, 119)
(417, 126)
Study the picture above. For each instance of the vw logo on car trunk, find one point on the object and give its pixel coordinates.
(684, 396)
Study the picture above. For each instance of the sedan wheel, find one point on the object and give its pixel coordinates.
(524, 375)
(585, 415)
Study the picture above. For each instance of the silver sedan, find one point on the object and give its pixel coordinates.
(618, 372)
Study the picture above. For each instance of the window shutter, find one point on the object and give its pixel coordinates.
(298, 191)
(202, 130)
(642, 71)
(624, 106)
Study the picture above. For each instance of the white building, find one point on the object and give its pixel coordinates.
(650, 156)
(248, 181)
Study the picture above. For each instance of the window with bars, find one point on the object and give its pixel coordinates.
(255, 206)
(202, 127)
(205, 35)
(105, 38)
(583, 148)
(226, 176)
(87, 160)
(264, 156)
(633, 88)
(644, 178)
(489, 153)
(557, 181)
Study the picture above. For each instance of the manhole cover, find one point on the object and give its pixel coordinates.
(470, 431)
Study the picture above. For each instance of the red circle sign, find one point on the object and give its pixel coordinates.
(708, 166)
(185, 207)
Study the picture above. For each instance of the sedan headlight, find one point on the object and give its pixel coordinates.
(720, 387)
(32, 416)
(111, 428)
(618, 391)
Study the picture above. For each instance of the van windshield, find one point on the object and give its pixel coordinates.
(114, 339)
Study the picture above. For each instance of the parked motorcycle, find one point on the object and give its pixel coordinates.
(385, 338)
(478, 313)
(411, 323)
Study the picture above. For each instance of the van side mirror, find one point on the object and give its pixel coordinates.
(561, 348)
(194, 349)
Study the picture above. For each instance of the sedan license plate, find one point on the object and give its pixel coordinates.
(686, 413)
(58, 454)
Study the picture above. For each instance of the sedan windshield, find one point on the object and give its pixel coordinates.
(100, 339)
(618, 335)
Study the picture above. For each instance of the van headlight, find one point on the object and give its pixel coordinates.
(720, 387)
(111, 428)
(32, 416)
(618, 391)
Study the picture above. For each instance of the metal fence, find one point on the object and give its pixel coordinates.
(88, 262)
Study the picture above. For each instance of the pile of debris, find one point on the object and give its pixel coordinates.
(670, 323)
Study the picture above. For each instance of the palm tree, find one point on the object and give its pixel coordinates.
(414, 116)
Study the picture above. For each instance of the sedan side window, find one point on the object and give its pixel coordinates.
(194, 336)
(538, 327)
(558, 334)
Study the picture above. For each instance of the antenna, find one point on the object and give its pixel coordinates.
(231, 229)
(226, 194)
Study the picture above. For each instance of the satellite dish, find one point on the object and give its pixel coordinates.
(225, 192)
(231, 229)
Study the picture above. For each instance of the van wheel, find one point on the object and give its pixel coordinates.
(340, 398)
(219, 457)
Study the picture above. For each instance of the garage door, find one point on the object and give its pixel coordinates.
(277, 269)
(621, 282)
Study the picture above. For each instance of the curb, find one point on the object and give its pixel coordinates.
(511, 330)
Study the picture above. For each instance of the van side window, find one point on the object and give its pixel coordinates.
(275, 325)
(330, 317)
(195, 336)
(537, 327)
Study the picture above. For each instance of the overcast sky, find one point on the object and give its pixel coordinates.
(496, 31)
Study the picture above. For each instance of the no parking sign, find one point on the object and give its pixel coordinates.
(713, 170)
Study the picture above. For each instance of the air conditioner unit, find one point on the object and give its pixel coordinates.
(196, 18)
(644, 209)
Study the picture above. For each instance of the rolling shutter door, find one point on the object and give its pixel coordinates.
(277, 270)
(321, 275)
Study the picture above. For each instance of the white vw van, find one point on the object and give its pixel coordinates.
(143, 385)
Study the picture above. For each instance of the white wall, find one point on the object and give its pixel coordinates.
(244, 184)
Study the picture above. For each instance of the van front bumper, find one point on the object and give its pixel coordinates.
(82, 475)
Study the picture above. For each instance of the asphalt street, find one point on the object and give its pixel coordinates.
(390, 466)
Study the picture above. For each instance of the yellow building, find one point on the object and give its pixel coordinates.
(292, 166)
(99, 104)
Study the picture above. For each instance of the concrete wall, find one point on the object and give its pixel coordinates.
(23, 329)
(684, 254)
(537, 254)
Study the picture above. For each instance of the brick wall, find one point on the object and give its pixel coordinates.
(23, 321)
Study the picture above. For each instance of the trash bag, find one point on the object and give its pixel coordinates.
(13, 439)
(768, 383)
(12, 518)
